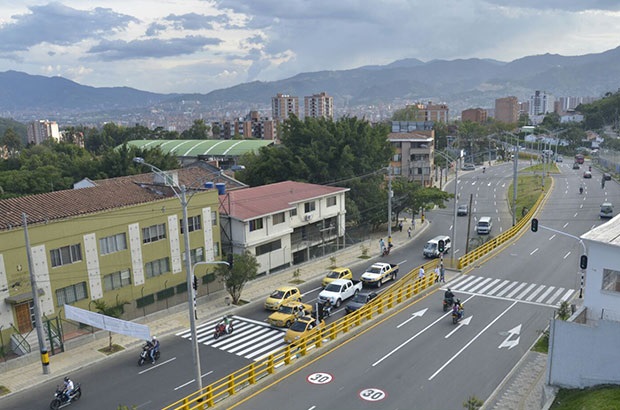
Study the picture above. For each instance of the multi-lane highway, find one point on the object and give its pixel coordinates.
(417, 358)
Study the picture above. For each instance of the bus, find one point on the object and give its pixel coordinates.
(579, 158)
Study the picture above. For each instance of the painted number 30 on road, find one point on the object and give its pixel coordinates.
(372, 394)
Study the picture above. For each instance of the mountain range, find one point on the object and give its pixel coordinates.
(462, 83)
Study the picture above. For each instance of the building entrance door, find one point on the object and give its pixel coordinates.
(23, 312)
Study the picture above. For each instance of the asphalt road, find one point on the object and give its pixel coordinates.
(417, 358)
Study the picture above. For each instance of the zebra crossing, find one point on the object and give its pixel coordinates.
(250, 339)
(509, 289)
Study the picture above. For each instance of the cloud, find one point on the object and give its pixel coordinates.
(58, 24)
(113, 50)
(567, 5)
(193, 21)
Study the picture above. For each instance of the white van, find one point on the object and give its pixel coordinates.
(431, 249)
(484, 225)
(607, 210)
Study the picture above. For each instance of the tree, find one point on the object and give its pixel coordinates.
(409, 113)
(473, 403)
(198, 131)
(408, 194)
(12, 141)
(112, 311)
(245, 267)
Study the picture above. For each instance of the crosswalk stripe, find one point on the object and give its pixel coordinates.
(501, 285)
(488, 286)
(470, 284)
(544, 295)
(513, 284)
(555, 295)
(526, 291)
(536, 292)
(259, 343)
(567, 295)
(479, 285)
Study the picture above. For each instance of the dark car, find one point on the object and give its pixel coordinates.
(575, 166)
(587, 174)
(461, 210)
(607, 176)
(359, 301)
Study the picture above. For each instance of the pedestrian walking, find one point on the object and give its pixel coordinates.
(390, 242)
(381, 246)
(409, 232)
(400, 226)
(442, 273)
(437, 274)
(421, 272)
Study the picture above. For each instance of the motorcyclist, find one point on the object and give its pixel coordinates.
(483, 169)
(581, 190)
(457, 308)
(448, 297)
(327, 307)
(154, 347)
(68, 388)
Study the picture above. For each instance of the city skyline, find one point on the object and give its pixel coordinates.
(199, 46)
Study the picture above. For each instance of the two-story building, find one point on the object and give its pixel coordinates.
(284, 223)
(119, 240)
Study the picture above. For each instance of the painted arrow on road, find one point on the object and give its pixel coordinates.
(511, 343)
(461, 323)
(419, 313)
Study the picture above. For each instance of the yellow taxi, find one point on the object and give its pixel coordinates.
(288, 313)
(282, 295)
(337, 273)
(302, 327)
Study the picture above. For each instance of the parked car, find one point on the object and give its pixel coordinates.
(282, 295)
(575, 166)
(587, 174)
(302, 327)
(607, 176)
(359, 301)
(468, 167)
(462, 210)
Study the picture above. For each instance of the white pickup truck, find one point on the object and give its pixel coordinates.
(340, 290)
(378, 273)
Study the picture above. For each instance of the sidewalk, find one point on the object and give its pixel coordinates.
(19, 374)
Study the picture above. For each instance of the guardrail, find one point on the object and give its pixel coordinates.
(499, 240)
(406, 288)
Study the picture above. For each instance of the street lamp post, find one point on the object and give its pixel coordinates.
(514, 178)
(181, 195)
(456, 182)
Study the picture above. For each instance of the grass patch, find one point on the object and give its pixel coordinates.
(542, 344)
(296, 281)
(605, 397)
(364, 257)
(4, 390)
(115, 348)
(242, 302)
(529, 189)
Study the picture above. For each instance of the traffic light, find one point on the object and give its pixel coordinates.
(441, 246)
(583, 262)
(534, 225)
(195, 283)
(230, 261)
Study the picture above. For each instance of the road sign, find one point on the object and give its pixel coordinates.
(509, 342)
(320, 378)
(373, 394)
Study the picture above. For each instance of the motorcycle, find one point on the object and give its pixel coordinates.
(458, 315)
(221, 329)
(145, 355)
(581, 190)
(447, 303)
(60, 399)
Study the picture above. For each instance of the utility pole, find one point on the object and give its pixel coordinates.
(390, 201)
(45, 361)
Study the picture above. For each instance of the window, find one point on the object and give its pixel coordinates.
(197, 255)
(71, 294)
(256, 224)
(117, 280)
(611, 280)
(213, 218)
(153, 233)
(293, 212)
(331, 201)
(397, 157)
(111, 244)
(157, 267)
(309, 206)
(193, 223)
(66, 255)
(278, 218)
(268, 247)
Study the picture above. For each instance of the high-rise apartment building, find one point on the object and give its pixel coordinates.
(41, 130)
(282, 105)
(541, 103)
(507, 110)
(319, 105)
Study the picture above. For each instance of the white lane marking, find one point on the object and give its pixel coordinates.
(419, 313)
(566, 256)
(576, 213)
(565, 225)
(462, 323)
(551, 237)
(534, 251)
(157, 365)
(390, 353)
(192, 381)
(471, 341)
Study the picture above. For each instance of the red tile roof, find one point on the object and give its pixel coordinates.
(257, 201)
(106, 195)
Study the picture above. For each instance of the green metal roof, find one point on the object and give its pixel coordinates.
(194, 148)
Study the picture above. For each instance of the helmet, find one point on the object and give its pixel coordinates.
(154, 338)
(66, 379)
(449, 290)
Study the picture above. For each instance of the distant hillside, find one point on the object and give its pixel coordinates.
(18, 127)
(461, 84)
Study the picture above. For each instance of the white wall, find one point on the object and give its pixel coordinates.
(596, 300)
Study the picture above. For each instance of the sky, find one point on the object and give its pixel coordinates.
(196, 46)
